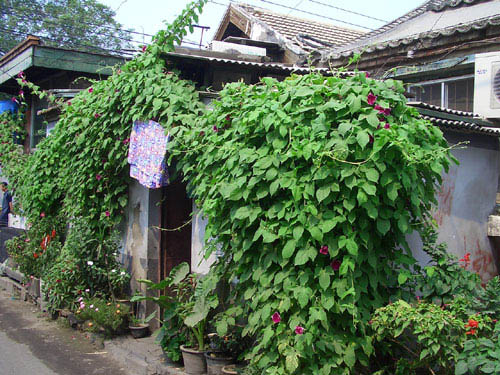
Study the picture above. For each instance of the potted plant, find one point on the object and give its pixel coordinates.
(139, 328)
(219, 354)
(190, 307)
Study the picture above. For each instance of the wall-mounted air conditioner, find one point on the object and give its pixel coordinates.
(487, 84)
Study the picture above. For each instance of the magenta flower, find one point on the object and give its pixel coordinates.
(371, 99)
(68, 102)
(107, 213)
(91, 89)
(126, 141)
(42, 214)
(387, 111)
(299, 330)
(144, 48)
(14, 99)
(21, 92)
(387, 125)
(367, 74)
(276, 318)
(379, 108)
(20, 74)
(323, 250)
(98, 177)
(97, 115)
(371, 139)
(335, 264)
(215, 129)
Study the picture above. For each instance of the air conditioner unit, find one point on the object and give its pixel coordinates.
(487, 85)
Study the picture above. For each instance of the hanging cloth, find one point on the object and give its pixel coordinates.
(147, 154)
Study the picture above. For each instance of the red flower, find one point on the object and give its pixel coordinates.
(91, 89)
(387, 111)
(367, 74)
(471, 332)
(299, 330)
(126, 141)
(371, 99)
(68, 102)
(20, 74)
(335, 264)
(387, 125)
(42, 214)
(53, 234)
(107, 213)
(144, 48)
(58, 280)
(35, 255)
(215, 129)
(21, 92)
(276, 318)
(323, 250)
(97, 115)
(472, 323)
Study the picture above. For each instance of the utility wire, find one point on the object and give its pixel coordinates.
(347, 10)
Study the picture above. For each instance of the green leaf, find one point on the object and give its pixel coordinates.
(292, 363)
(344, 127)
(324, 280)
(242, 213)
(363, 138)
(302, 257)
(322, 193)
(316, 233)
(289, 248)
(352, 247)
(350, 356)
(297, 232)
(461, 368)
(372, 175)
(383, 226)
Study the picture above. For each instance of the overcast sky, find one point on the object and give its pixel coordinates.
(148, 16)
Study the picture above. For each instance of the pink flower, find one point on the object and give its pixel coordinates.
(276, 318)
(21, 92)
(42, 214)
(299, 330)
(387, 111)
(379, 108)
(87, 290)
(215, 129)
(107, 213)
(370, 138)
(14, 99)
(144, 48)
(68, 102)
(97, 115)
(126, 141)
(323, 250)
(371, 99)
(335, 264)
(98, 177)
(20, 74)
(367, 74)
(91, 89)
(387, 125)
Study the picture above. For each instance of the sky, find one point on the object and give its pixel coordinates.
(149, 16)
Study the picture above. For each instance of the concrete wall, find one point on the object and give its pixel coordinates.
(141, 240)
(466, 199)
(198, 263)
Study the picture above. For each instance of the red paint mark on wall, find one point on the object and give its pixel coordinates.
(483, 263)
(445, 196)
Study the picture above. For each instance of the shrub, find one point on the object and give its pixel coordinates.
(103, 315)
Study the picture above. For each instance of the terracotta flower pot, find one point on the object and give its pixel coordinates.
(232, 370)
(194, 361)
(216, 361)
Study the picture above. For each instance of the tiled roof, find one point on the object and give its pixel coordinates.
(434, 19)
(302, 31)
(464, 122)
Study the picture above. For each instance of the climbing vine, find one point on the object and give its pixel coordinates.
(310, 186)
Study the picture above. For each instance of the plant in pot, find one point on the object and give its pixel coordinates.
(186, 308)
(139, 328)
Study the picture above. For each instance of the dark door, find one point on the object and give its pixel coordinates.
(176, 211)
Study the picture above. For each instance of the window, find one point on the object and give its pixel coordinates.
(453, 93)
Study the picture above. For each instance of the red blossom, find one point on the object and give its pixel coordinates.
(472, 323)
(323, 250)
(471, 332)
(35, 255)
(276, 317)
(299, 330)
(144, 48)
(335, 264)
(387, 125)
(107, 213)
(91, 89)
(367, 74)
(371, 99)
(126, 141)
(215, 129)
(97, 115)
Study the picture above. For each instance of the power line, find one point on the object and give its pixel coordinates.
(316, 14)
(347, 10)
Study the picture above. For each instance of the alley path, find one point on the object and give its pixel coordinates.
(33, 345)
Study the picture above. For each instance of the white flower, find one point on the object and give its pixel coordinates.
(87, 290)
(80, 299)
(90, 263)
(113, 270)
(91, 306)
(122, 273)
(97, 309)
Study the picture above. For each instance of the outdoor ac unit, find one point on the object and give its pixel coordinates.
(487, 85)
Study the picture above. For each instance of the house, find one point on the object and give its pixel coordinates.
(447, 52)
(293, 38)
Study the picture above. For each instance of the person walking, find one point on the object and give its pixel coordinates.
(6, 205)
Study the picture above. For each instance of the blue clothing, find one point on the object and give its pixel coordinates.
(4, 215)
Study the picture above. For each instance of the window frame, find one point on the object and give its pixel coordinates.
(444, 87)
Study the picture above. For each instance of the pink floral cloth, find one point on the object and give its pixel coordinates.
(146, 154)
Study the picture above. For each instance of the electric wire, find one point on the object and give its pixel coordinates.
(347, 10)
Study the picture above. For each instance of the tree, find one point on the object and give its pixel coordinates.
(77, 24)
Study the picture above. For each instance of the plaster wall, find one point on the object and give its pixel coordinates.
(141, 239)
(198, 263)
(466, 199)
